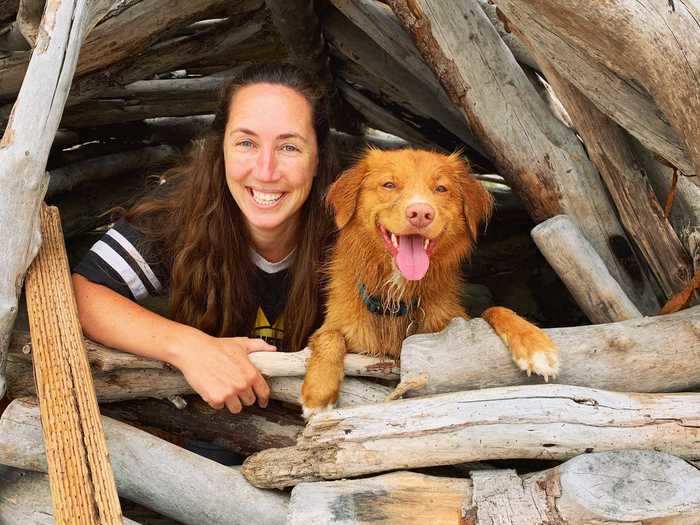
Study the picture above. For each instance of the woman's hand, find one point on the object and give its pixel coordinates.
(220, 371)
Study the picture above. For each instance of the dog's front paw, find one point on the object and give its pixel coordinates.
(534, 351)
(318, 396)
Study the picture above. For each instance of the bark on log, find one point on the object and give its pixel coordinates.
(82, 483)
(639, 486)
(67, 178)
(610, 149)
(543, 422)
(152, 472)
(623, 101)
(25, 146)
(582, 270)
(541, 159)
(252, 430)
(640, 355)
(29, 18)
(652, 43)
(25, 498)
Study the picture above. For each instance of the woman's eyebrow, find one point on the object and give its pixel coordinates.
(282, 136)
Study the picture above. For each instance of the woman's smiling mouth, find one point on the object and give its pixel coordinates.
(265, 199)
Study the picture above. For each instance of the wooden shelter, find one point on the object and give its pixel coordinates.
(582, 119)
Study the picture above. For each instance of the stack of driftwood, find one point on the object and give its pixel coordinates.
(590, 118)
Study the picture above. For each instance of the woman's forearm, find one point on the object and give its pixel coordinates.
(115, 321)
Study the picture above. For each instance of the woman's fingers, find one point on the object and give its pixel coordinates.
(247, 397)
(234, 404)
(259, 345)
(262, 391)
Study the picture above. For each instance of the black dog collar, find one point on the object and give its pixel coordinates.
(374, 304)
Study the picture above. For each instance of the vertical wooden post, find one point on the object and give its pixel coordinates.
(82, 484)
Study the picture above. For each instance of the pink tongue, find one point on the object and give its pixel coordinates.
(412, 260)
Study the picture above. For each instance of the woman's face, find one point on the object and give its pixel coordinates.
(270, 154)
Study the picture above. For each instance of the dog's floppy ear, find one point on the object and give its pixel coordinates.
(343, 193)
(478, 202)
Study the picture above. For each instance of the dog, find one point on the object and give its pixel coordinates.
(406, 220)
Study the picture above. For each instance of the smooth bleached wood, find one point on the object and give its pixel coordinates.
(82, 483)
(582, 270)
(541, 159)
(154, 473)
(652, 354)
(545, 422)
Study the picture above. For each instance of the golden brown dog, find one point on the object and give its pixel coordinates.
(407, 218)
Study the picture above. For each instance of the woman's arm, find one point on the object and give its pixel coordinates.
(218, 369)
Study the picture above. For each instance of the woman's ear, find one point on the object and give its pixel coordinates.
(344, 192)
(478, 202)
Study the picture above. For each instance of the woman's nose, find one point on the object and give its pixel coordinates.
(266, 166)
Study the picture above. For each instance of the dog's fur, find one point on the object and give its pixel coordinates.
(377, 197)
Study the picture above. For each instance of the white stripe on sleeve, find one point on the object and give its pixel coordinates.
(124, 242)
(117, 262)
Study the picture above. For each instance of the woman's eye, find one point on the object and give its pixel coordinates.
(245, 143)
(441, 189)
(389, 185)
(290, 148)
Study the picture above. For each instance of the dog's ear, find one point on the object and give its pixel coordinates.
(478, 202)
(343, 193)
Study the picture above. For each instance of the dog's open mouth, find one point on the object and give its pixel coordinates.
(411, 253)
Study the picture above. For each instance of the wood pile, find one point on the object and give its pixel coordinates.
(591, 120)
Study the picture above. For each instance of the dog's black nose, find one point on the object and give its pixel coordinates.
(420, 215)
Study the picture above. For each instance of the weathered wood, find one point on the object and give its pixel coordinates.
(82, 483)
(540, 158)
(28, 19)
(639, 355)
(8, 9)
(611, 487)
(252, 430)
(582, 271)
(25, 498)
(168, 479)
(652, 43)
(68, 177)
(25, 146)
(544, 422)
(623, 101)
(640, 213)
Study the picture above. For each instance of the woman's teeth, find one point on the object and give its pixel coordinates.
(266, 199)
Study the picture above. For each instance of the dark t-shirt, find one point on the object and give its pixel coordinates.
(125, 262)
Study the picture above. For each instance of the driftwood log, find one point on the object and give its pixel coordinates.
(653, 354)
(544, 422)
(154, 473)
(26, 142)
(540, 158)
(582, 270)
(25, 498)
(629, 486)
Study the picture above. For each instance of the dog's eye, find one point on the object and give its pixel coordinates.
(441, 189)
(389, 185)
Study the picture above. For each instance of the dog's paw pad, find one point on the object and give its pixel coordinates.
(307, 412)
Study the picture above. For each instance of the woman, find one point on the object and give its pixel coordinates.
(238, 233)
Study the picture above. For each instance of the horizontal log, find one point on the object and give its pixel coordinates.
(152, 472)
(120, 376)
(610, 487)
(25, 498)
(544, 422)
(639, 355)
(582, 270)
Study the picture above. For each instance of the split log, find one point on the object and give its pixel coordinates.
(25, 498)
(66, 178)
(119, 376)
(639, 355)
(544, 422)
(623, 101)
(610, 150)
(608, 487)
(541, 159)
(82, 483)
(582, 270)
(154, 473)
(25, 146)
(28, 19)
(252, 430)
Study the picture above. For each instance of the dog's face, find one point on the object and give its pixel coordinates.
(413, 204)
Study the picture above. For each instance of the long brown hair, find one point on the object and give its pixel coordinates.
(202, 235)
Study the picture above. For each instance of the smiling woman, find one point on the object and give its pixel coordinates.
(237, 234)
